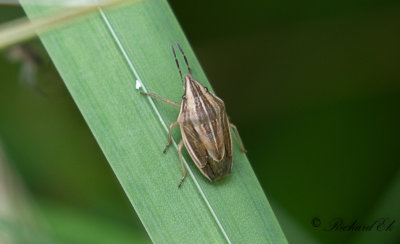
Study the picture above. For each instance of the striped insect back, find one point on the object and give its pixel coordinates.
(205, 128)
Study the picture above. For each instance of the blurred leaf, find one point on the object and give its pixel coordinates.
(73, 226)
(17, 218)
(384, 213)
(293, 230)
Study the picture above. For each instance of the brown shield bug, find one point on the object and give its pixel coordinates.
(205, 128)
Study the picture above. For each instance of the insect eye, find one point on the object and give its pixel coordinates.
(206, 89)
(183, 97)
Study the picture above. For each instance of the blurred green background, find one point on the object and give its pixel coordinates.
(312, 86)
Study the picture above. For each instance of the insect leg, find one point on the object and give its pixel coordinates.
(238, 137)
(169, 135)
(180, 145)
(150, 94)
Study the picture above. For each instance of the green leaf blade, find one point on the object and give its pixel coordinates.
(131, 135)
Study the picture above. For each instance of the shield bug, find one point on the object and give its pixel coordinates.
(205, 128)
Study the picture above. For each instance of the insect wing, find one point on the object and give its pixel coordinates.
(197, 137)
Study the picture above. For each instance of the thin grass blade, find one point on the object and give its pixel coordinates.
(100, 60)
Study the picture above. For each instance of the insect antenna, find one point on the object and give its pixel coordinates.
(177, 64)
(184, 56)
